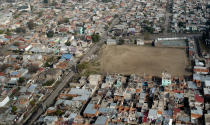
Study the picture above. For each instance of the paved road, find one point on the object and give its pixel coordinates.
(49, 101)
(55, 93)
(167, 21)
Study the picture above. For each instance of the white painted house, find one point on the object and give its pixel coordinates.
(111, 42)
(4, 101)
(139, 42)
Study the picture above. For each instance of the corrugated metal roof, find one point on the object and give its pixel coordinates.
(106, 110)
(14, 73)
(101, 120)
(179, 95)
(90, 109)
(81, 98)
(77, 91)
(184, 118)
(152, 112)
(67, 102)
(191, 85)
(198, 110)
(201, 78)
(32, 87)
(207, 83)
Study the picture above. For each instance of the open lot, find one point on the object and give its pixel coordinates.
(143, 59)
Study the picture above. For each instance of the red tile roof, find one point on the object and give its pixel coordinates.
(178, 91)
(199, 98)
(8, 37)
(41, 69)
(1, 74)
(176, 110)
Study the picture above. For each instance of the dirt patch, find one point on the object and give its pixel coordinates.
(143, 60)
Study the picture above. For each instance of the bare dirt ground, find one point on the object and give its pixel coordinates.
(143, 60)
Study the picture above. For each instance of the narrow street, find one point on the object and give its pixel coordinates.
(166, 24)
(50, 100)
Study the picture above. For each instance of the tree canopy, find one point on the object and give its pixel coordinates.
(7, 31)
(62, 21)
(45, 1)
(21, 80)
(95, 37)
(68, 43)
(20, 30)
(121, 41)
(31, 24)
(50, 34)
(106, 1)
(54, 3)
(14, 109)
(82, 66)
(49, 82)
(33, 68)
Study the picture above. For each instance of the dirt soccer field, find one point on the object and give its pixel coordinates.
(142, 59)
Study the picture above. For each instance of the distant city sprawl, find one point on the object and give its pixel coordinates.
(104, 62)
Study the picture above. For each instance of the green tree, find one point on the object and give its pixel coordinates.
(47, 64)
(68, 43)
(45, 1)
(82, 66)
(16, 16)
(181, 24)
(49, 82)
(106, 1)
(121, 41)
(146, 22)
(95, 37)
(40, 13)
(1, 31)
(50, 61)
(14, 109)
(32, 103)
(50, 34)
(21, 80)
(31, 24)
(63, 1)
(20, 30)
(58, 112)
(8, 32)
(33, 68)
(149, 29)
(106, 27)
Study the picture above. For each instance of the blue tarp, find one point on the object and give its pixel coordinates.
(145, 84)
(14, 73)
(67, 56)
